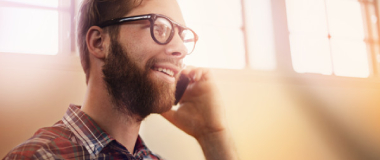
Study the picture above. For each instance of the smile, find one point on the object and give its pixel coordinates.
(165, 70)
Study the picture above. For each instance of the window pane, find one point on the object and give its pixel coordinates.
(221, 42)
(259, 30)
(46, 3)
(25, 30)
(350, 57)
(309, 41)
(306, 16)
(310, 54)
(310, 26)
(345, 18)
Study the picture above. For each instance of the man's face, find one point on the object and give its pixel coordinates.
(135, 67)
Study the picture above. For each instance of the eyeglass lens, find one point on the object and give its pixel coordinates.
(188, 39)
(162, 29)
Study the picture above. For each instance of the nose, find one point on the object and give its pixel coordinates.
(176, 48)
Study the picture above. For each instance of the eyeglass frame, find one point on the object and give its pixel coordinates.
(152, 18)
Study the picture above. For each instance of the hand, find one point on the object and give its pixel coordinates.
(200, 111)
(201, 115)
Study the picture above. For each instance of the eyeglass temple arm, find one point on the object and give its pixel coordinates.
(121, 20)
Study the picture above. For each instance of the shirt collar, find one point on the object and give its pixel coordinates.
(140, 149)
(91, 135)
(86, 130)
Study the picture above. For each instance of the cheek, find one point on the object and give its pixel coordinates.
(139, 45)
(137, 36)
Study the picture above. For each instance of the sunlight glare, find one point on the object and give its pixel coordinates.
(306, 17)
(309, 36)
(350, 58)
(310, 55)
(25, 30)
(259, 30)
(221, 42)
(46, 3)
(344, 54)
(345, 20)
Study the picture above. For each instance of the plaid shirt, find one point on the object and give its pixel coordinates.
(77, 136)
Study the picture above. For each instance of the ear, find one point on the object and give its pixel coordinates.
(97, 42)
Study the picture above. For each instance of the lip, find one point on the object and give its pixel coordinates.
(163, 76)
(169, 66)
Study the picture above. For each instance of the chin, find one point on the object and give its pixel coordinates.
(164, 103)
(163, 96)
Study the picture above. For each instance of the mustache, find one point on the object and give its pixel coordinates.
(176, 62)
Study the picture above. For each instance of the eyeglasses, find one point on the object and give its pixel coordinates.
(162, 29)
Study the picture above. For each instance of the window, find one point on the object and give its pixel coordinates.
(218, 24)
(332, 36)
(35, 26)
(260, 35)
(329, 37)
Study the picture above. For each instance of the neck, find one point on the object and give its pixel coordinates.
(98, 105)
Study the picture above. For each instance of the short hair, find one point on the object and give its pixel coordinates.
(93, 12)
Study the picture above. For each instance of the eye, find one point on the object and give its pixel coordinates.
(162, 29)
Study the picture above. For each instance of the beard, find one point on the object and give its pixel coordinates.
(131, 89)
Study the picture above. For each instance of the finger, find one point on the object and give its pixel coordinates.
(206, 74)
(190, 71)
(201, 74)
(186, 71)
(197, 74)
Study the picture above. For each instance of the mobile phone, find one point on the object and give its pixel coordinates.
(181, 87)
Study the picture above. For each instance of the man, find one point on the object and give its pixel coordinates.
(132, 52)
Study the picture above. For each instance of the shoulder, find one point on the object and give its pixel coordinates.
(45, 143)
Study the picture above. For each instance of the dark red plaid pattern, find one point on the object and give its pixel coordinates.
(77, 137)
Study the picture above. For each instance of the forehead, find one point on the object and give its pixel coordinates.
(169, 8)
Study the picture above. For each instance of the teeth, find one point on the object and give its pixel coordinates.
(164, 70)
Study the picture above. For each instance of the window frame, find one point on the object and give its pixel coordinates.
(68, 59)
(282, 44)
(66, 23)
